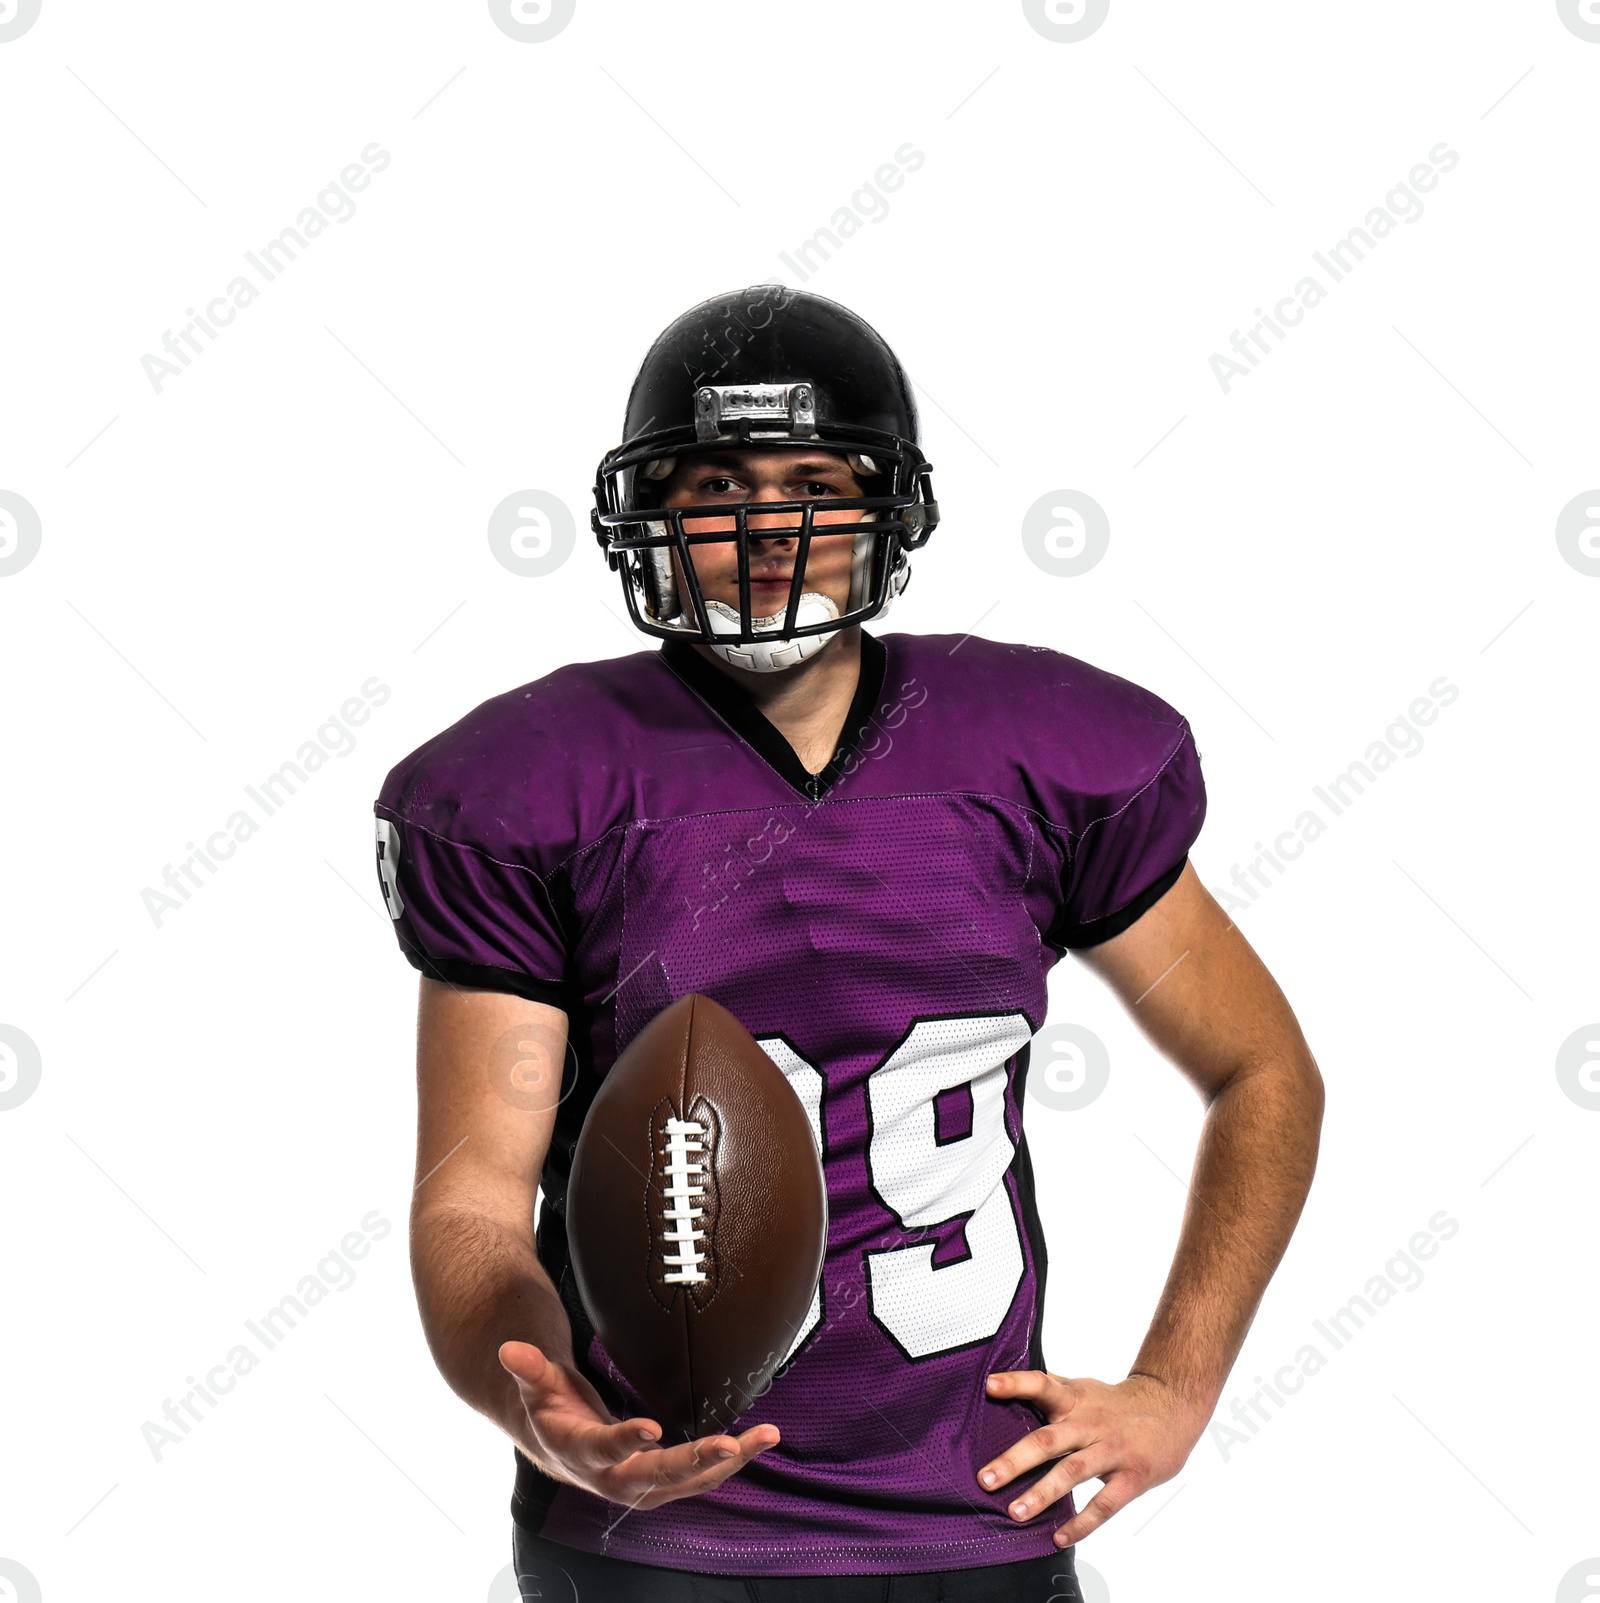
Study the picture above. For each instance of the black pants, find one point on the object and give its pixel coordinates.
(552, 1573)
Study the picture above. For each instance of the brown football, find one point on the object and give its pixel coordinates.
(697, 1216)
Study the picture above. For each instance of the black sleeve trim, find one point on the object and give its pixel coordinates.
(1097, 930)
(482, 977)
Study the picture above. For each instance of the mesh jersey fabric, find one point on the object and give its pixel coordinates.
(619, 833)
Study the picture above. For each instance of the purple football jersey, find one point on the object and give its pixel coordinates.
(619, 833)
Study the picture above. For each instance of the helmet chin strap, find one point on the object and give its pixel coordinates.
(775, 652)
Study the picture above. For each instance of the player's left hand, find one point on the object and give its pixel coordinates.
(1131, 1436)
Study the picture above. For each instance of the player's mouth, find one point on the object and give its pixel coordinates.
(769, 595)
(771, 584)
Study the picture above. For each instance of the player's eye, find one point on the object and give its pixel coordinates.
(818, 487)
(716, 486)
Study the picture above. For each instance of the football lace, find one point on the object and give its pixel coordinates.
(684, 1138)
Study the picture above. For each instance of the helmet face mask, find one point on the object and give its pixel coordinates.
(767, 367)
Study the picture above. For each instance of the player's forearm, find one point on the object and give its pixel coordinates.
(1257, 1154)
(480, 1284)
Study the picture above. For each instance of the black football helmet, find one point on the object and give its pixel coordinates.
(767, 366)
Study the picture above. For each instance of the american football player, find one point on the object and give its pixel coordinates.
(871, 848)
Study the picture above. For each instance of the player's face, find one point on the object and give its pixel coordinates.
(719, 477)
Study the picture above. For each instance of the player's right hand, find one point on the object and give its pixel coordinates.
(569, 1433)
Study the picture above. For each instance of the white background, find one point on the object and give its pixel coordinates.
(223, 563)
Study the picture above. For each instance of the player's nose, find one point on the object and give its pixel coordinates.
(771, 520)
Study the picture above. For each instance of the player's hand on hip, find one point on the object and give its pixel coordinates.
(1130, 1436)
(569, 1431)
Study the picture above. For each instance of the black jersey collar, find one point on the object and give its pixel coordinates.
(725, 697)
